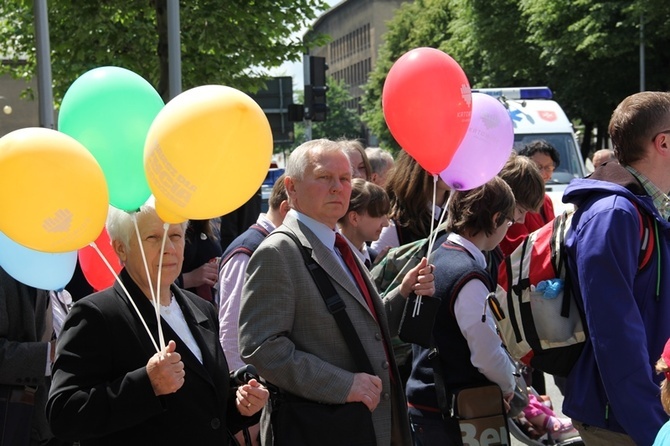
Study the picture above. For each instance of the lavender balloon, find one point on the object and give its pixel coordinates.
(485, 148)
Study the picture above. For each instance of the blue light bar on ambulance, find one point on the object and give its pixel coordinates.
(517, 93)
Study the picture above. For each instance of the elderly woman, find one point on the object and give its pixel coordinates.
(110, 386)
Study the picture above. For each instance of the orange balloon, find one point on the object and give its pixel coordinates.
(53, 191)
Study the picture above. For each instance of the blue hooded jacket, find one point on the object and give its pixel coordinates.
(613, 385)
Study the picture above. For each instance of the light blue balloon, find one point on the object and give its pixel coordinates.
(43, 270)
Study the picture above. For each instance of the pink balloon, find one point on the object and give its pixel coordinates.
(486, 147)
(427, 106)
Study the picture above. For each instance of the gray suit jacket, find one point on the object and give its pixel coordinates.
(23, 356)
(287, 333)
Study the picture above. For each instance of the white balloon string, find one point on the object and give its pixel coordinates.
(443, 216)
(431, 238)
(154, 300)
(166, 226)
(116, 277)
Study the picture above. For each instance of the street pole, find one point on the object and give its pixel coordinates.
(174, 48)
(642, 73)
(308, 129)
(44, 87)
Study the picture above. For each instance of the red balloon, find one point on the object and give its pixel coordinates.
(427, 105)
(96, 272)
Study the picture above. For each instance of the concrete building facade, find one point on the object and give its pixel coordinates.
(17, 112)
(356, 28)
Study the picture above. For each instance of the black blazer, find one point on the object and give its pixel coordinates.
(101, 393)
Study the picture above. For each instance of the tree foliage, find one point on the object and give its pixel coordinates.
(230, 43)
(586, 51)
(342, 122)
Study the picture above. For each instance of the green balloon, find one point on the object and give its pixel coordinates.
(109, 110)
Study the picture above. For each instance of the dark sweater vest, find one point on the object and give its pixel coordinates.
(245, 243)
(454, 267)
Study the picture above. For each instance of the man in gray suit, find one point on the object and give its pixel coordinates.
(286, 331)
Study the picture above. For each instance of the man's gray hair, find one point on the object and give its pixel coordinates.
(380, 159)
(303, 155)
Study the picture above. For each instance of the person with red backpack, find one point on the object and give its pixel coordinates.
(612, 391)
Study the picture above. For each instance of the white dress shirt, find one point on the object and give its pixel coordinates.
(486, 351)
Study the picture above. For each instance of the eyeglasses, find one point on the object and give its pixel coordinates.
(663, 132)
(510, 221)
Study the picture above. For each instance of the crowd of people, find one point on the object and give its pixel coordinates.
(279, 336)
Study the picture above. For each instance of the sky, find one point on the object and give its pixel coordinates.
(294, 69)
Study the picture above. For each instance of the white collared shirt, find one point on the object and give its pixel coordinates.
(486, 351)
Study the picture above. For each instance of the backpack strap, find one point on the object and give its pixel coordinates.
(647, 237)
(516, 289)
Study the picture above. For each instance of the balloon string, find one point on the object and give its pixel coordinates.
(154, 298)
(116, 277)
(166, 226)
(431, 240)
(431, 236)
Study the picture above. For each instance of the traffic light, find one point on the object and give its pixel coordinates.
(315, 68)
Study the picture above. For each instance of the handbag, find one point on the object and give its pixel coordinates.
(300, 422)
(418, 319)
(16, 414)
(297, 421)
(480, 412)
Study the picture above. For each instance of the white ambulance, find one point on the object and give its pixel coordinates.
(536, 116)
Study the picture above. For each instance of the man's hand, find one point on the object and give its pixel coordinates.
(419, 280)
(166, 371)
(366, 389)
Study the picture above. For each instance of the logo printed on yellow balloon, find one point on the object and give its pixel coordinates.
(168, 180)
(60, 222)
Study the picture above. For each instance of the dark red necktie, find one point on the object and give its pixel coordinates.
(348, 257)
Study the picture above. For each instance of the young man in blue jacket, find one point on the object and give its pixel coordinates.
(612, 392)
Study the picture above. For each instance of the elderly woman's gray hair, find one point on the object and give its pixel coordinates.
(380, 160)
(120, 223)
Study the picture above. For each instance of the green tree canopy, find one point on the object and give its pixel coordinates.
(586, 51)
(230, 43)
(342, 122)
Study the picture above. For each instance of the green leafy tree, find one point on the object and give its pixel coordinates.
(585, 50)
(421, 23)
(230, 43)
(342, 121)
(591, 53)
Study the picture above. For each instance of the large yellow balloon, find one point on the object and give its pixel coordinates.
(207, 152)
(52, 191)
